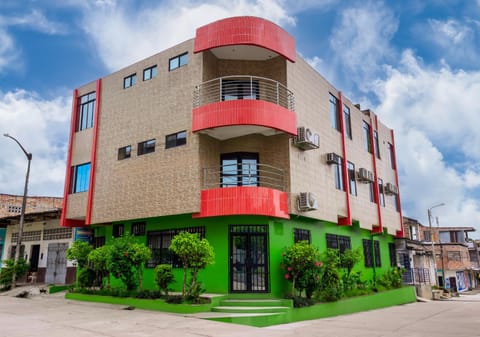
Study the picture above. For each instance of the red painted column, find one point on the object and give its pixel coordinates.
(379, 228)
(68, 173)
(348, 220)
(93, 156)
(401, 232)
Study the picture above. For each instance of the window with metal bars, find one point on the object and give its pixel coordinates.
(393, 254)
(57, 233)
(159, 242)
(117, 230)
(98, 241)
(376, 249)
(367, 252)
(138, 228)
(340, 242)
(301, 235)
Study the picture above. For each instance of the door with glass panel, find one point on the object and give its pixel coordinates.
(239, 169)
(248, 258)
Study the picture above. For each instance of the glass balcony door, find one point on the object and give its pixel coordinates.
(239, 169)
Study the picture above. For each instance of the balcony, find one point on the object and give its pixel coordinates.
(246, 38)
(244, 189)
(234, 106)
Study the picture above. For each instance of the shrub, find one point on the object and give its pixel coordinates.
(195, 254)
(148, 294)
(78, 252)
(331, 288)
(175, 299)
(302, 267)
(86, 278)
(125, 260)
(392, 279)
(20, 268)
(164, 277)
(97, 259)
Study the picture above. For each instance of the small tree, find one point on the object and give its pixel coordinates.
(125, 260)
(302, 265)
(195, 254)
(97, 259)
(331, 286)
(19, 268)
(164, 277)
(78, 252)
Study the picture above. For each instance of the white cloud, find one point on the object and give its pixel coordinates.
(7, 51)
(42, 128)
(450, 31)
(35, 20)
(433, 110)
(122, 38)
(361, 41)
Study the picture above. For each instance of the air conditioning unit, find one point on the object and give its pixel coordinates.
(391, 189)
(365, 175)
(333, 158)
(306, 139)
(307, 201)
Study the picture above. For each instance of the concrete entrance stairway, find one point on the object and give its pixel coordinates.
(257, 312)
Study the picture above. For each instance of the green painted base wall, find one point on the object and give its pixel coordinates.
(215, 278)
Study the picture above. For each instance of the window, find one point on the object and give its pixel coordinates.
(159, 241)
(138, 228)
(240, 89)
(176, 139)
(124, 152)
(371, 191)
(375, 143)
(86, 109)
(367, 142)
(351, 178)
(177, 61)
(301, 235)
(347, 122)
(340, 242)
(98, 241)
(80, 178)
(117, 230)
(334, 113)
(367, 252)
(239, 169)
(14, 209)
(339, 175)
(393, 254)
(129, 81)
(149, 73)
(396, 200)
(376, 249)
(57, 233)
(427, 236)
(454, 256)
(380, 192)
(391, 152)
(145, 147)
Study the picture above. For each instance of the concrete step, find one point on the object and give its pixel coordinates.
(252, 302)
(251, 309)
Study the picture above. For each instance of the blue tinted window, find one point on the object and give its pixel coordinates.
(80, 178)
(178, 61)
(86, 110)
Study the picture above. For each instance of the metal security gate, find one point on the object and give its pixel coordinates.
(56, 263)
(248, 258)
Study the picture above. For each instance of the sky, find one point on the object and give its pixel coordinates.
(414, 63)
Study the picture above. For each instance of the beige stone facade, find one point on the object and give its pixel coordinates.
(170, 181)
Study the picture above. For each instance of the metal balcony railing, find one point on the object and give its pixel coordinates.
(416, 276)
(243, 87)
(244, 174)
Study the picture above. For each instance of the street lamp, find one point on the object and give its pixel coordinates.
(22, 211)
(431, 238)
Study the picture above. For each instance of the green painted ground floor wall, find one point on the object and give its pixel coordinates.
(216, 278)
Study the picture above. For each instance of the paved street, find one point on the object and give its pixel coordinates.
(53, 316)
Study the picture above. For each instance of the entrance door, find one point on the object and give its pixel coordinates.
(248, 258)
(34, 256)
(56, 263)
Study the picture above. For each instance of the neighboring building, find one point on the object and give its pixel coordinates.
(453, 263)
(11, 205)
(416, 258)
(44, 246)
(233, 136)
(2, 243)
